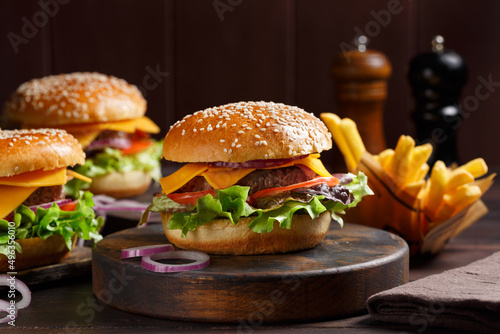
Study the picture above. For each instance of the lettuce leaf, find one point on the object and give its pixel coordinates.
(113, 160)
(231, 203)
(47, 222)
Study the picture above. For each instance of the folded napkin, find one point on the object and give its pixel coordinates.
(466, 298)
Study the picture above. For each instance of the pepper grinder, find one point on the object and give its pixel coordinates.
(437, 79)
(360, 77)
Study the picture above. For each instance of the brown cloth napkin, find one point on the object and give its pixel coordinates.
(466, 298)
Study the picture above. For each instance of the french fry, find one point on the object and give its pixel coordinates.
(385, 157)
(332, 122)
(445, 211)
(419, 157)
(351, 134)
(458, 177)
(476, 167)
(464, 196)
(415, 188)
(400, 163)
(424, 169)
(435, 192)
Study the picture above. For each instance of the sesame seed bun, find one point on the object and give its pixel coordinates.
(244, 131)
(73, 98)
(28, 150)
(220, 236)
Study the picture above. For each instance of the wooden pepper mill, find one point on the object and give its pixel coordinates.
(437, 79)
(360, 79)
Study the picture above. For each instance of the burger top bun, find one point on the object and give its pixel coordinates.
(73, 98)
(245, 131)
(28, 150)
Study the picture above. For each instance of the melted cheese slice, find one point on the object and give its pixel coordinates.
(12, 197)
(85, 137)
(79, 176)
(221, 177)
(14, 190)
(37, 178)
(86, 133)
(182, 176)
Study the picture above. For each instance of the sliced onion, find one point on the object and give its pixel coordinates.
(107, 203)
(258, 164)
(202, 260)
(145, 250)
(4, 306)
(6, 280)
(111, 142)
(48, 205)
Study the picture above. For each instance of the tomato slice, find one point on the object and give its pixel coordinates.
(137, 146)
(69, 207)
(330, 181)
(190, 198)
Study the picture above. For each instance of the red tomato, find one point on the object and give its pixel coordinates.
(137, 146)
(69, 207)
(190, 198)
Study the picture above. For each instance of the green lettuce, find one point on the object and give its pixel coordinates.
(113, 160)
(231, 203)
(47, 222)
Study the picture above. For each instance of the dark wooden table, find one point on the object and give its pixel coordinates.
(69, 306)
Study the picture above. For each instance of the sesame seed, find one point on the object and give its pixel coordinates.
(222, 141)
(238, 146)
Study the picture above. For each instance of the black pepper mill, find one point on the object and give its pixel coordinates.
(437, 79)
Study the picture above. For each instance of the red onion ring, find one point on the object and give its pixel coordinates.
(111, 142)
(201, 261)
(60, 203)
(257, 164)
(145, 250)
(6, 280)
(4, 306)
(107, 203)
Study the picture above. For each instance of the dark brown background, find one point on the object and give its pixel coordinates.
(278, 50)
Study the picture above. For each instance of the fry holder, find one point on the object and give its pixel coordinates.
(393, 209)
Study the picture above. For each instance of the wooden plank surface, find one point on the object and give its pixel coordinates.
(78, 263)
(331, 280)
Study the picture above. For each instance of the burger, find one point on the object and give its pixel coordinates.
(252, 182)
(106, 115)
(38, 223)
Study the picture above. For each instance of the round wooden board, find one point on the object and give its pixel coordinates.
(332, 280)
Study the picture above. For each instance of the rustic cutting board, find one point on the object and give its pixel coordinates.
(329, 281)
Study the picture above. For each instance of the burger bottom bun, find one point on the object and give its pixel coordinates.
(36, 253)
(121, 184)
(220, 236)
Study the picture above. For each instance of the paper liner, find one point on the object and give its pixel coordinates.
(394, 210)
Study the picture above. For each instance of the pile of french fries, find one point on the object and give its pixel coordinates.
(440, 196)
